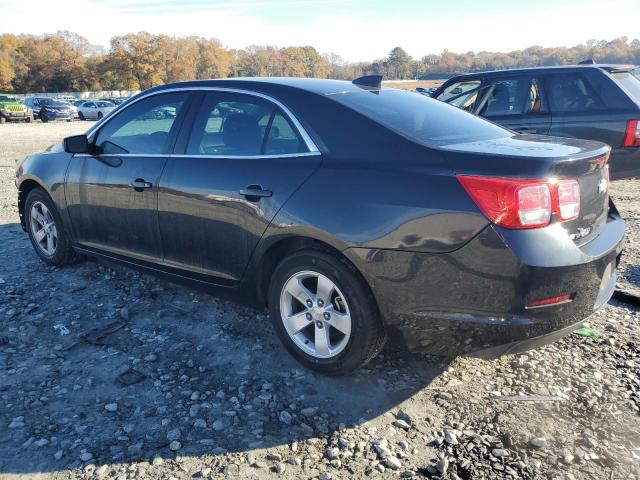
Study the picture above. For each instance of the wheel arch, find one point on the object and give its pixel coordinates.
(276, 251)
(24, 188)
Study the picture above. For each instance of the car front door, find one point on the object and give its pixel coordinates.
(517, 103)
(242, 157)
(112, 193)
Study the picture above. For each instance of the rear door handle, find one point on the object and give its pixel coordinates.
(139, 184)
(255, 192)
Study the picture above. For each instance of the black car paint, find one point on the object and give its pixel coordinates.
(607, 126)
(439, 271)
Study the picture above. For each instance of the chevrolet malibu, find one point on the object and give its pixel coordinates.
(353, 212)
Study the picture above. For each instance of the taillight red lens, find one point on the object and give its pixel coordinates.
(545, 302)
(568, 199)
(510, 202)
(632, 134)
(523, 203)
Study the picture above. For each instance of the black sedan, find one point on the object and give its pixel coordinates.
(348, 209)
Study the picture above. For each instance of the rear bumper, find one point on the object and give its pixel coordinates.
(624, 163)
(474, 299)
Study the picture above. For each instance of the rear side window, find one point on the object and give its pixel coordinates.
(144, 127)
(420, 118)
(233, 124)
(630, 83)
(571, 92)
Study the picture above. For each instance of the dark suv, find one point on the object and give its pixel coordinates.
(594, 102)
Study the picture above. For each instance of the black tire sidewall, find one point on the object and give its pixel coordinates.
(366, 326)
(63, 249)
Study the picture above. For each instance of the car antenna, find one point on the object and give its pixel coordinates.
(368, 81)
(588, 61)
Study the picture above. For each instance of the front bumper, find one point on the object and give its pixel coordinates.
(56, 115)
(473, 300)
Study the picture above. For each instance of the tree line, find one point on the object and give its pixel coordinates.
(66, 61)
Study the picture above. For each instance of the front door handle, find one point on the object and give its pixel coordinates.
(255, 193)
(139, 184)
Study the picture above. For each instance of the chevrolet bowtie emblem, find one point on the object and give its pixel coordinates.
(602, 185)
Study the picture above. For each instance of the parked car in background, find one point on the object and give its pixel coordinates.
(94, 109)
(47, 109)
(11, 109)
(426, 91)
(460, 234)
(589, 101)
(115, 101)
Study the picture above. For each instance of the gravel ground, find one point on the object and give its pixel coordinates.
(154, 381)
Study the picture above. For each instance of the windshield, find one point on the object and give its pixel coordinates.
(52, 103)
(630, 83)
(420, 118)
(4, 98)
(105, 104)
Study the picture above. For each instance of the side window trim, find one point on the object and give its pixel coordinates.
(300, 130)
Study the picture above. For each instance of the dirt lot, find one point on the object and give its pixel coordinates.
(156, 381)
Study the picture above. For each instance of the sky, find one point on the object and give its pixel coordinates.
(358, 30)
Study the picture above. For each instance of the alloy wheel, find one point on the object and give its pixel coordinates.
(315, 314)
(43, 228)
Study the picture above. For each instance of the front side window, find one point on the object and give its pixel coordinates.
(461, 94)
(231, 124)
(571, 92)
(144, 127)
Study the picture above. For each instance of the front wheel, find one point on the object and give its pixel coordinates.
(80, 115)
(324, 313)
(45, 229)
(2, 119)
(100, 115)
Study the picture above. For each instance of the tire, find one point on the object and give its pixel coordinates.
(2, 119)
(100, 115)
(350, 293)
(44, 119)
(81, 116)
(29, 119)
(63, 253)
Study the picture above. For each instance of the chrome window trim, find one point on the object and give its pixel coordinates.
(311, 146)
(183, 155)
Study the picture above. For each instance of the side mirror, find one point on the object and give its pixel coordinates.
(76, 144)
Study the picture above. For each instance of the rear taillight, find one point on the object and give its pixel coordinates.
(523, 203)
(632, 134)
(568, 199)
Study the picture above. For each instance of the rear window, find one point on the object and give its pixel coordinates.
(630, 83)
(420, 118)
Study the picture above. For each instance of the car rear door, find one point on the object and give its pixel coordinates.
(516, 102)
(238, 160)
(112, 194)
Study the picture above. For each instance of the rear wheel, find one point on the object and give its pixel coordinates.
(324, 313)
(99, 115)
(45, 229)
(80, 116)
(44, 119)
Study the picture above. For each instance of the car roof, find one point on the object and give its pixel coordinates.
(555, 68)
(312, 85)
